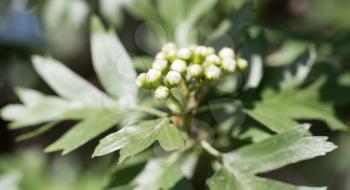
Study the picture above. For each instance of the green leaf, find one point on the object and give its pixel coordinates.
(38, 109)
(68, 84)
(139, 136)
(272, 118)
(143, 63)
(122, 174)
(184, 31)
(173, 12)
(38, 131)
(170, 176)
(84, 131)
(279, 110)
(112, 64)
(277, 151)
(227, 179)
(170, 138)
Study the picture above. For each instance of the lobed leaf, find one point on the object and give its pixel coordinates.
(139, 136)
(84, 131)
(68, 84)
(277, 151)
(278, 111)
(227, 179)
(112, 63)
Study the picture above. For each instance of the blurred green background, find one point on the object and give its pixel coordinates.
(277, 29)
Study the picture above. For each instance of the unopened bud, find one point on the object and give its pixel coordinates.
(168, 46)
(212, 72)
(141, 80)
(242, 64)
(184, 53)
(160, 55)
(179, 66)
(173, 78)
(195, 70)
(210, 51)
(154, 76)
(201, 50)
(160, 65)
(171, 54)
(226, 53)
(228, 64)
(169, 51)
(162, 93)
(212, 59)
(193, 48)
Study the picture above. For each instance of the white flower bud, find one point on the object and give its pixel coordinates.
(162, 93)
(179, 66)
(160, 64)
(201, 50)
(242, 64)
(212, 72)
(184, 53)
(173, 78)
(141, 80)
(193, 48)
(212, 59)
(160, 55)
(195, 70)
(226, 53)
(168, 47)
(228, 64)
(154, 76)
(210, 51)
(169, 51)
(171, 54)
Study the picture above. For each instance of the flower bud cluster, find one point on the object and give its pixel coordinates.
(194, 66)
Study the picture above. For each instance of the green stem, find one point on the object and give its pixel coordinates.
(187, 123)
(175, 100)
(210, 149)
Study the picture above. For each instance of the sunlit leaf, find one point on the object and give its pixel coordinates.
(113, 64)
(277, 151)
(68, 84)
(139, 136)
(84, 131)
(279, 110)
(227, 179)
(170, 138)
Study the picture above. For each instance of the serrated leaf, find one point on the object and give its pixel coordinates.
(227, 179)
(84, 131)
(170, 138)
(278, 111)
(134, 135)
(277, 151)
(272, 118)
(137, 137)
(112, 63)
(39, 108)
(68, 84)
